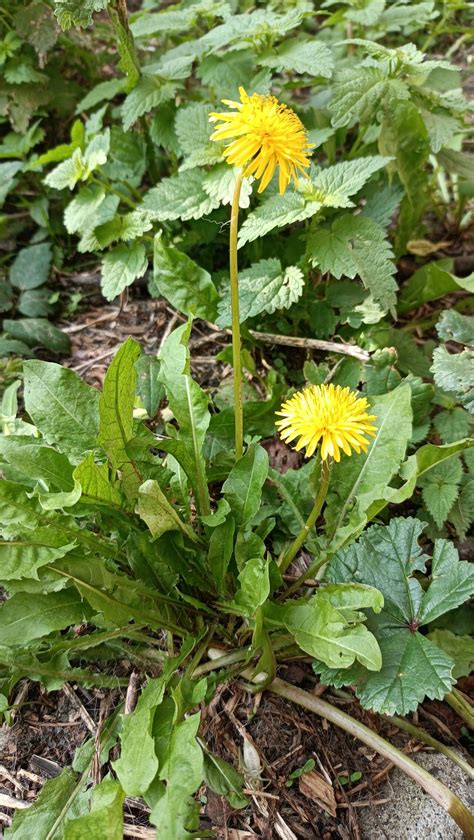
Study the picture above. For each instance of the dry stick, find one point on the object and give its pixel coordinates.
(440, 793)
(313, 344)
(428, 739)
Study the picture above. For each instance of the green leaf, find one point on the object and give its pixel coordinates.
(138, 764)
(121, 266)
(181, 196)
(264, 287)
(457, 163)
(254, 579)
(311, 57)
(453, 424)
(454, 373)
(193, 131)
(30, 268)
(182, 766)
(22, 557)
(62, 406)
(48, 810)
(459, 648)
(152, 91)
(38, 332)
(243, 487)
(440, 489)
(77, 12)
(35, 302)
(221, 777)
(357, 95)
(221, 547)
(78, 212)
(8, 171)
(36, 462)
(355, 246)
(25, 617)
(95, 482)
(358, 481)
(330, 187)
(390, 558)
(103, 91)
(189, 404)
(186, 285)
(431, 282)
(160, 516)
(149, 389)
(452, 326)
(105, 817)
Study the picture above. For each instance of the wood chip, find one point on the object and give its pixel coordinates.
(315, 787)
(9, 802)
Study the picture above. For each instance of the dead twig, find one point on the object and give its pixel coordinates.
(71, 694)
(313, 344)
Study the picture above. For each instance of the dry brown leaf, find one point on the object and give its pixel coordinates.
(315, 787)
(423, 247)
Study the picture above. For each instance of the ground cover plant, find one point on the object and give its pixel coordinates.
(320, 207)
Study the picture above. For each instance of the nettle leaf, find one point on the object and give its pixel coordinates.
(311, 57)
(186, 285)
(80, 165)
(452, 326)
(355, 246)
(149, 93)
(193, 131)
(357, 482)
(219, 184)
(77, 12)
(62, 406)
(440, 488)
(177, 19)
(264, 287)
(453, 424)
(459, 648)
(105, 212)
(388, 557)
(121, 266)
(356, 95)
(331, 187)
(78, 212)
(181, 196)
(30, 268)
(105, 819)
(454, 373)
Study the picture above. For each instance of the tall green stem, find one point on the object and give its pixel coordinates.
(234, 298)
(311, 520)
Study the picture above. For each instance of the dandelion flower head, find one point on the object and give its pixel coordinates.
(265, 135)
(329, 414)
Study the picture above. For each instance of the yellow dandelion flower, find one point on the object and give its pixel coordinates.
(267, 135)
(328, 413)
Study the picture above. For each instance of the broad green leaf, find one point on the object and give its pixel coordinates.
(8, 170)
(391, 559)
(243, 487)
(26, 617)
(453, 424)
(452, 326)
(223, 779)
(358, 94)
(457, 163)
(454, 373)
(21, 557)
(355, 246)
(431, 282)
(77, 12)
(181, 196)
(357, 481)
(264, 287)
(254, 579)
(459, 648)
(38, 332)
(154, 90)
(95, 482)
(80, 165)
(186, 285)
(311, 57)
(177, 19)
(193, 131)
(30, 268)
(189, 404)
(221, 547)
(62, 406)
(35, 303)
(17, 510)
(105, 817)
(160, 516)
(45, 817)
(36, 462)
(103, 91)
(121, 266)
(78, 212)
(138, 764)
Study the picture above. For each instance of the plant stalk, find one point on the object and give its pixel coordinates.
(311, 520)
(426, 738)
(234, 298)
(461, 706)
(440, 793)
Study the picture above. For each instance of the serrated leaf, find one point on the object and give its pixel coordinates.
(388, 557)
(311, 57)
(154, 90)
(264, 287)
(193, 131)
(181, 196)
(121, 266)
(77, 215)
(453, 424)
(62, 406)
(186, 285)
(452, 326)
(440, 488)
(77, 12)
(357, 95)
(454, 373)
(459, 648)
(355, 246)
(30, 268)
(103, 91)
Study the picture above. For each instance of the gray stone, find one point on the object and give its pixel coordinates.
(411, 814)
